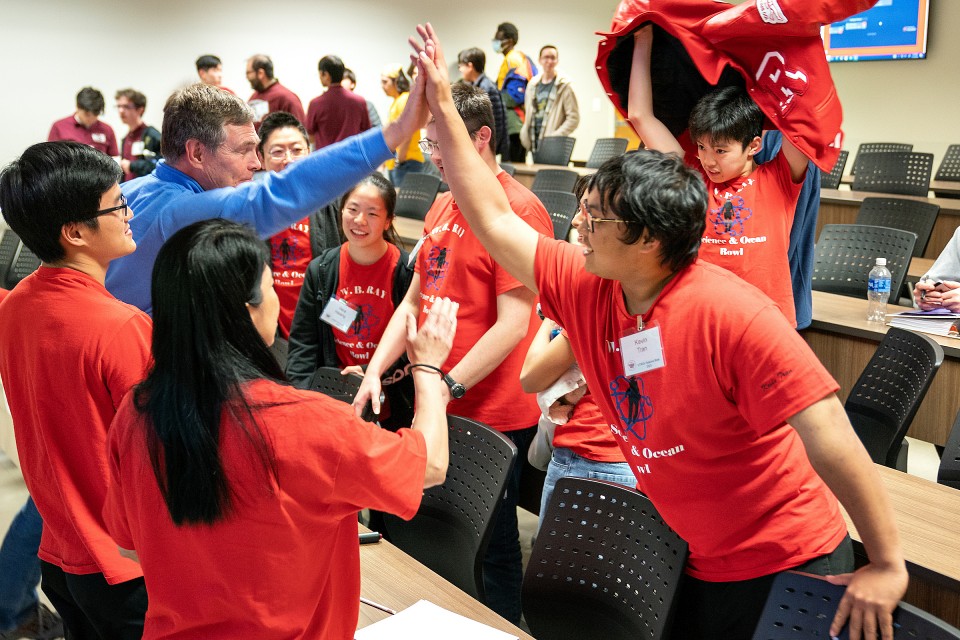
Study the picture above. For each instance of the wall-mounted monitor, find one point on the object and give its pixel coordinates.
(891, 30)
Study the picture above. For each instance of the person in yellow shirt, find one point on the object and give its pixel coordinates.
(516, 71)
(409, 158)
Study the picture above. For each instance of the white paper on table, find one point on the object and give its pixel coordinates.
(427, 620)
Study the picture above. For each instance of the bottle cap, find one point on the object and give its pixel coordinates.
(882, 262)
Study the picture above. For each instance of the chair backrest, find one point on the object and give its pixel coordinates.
(886, 396)
(554, 150)
(832, 180)
(24, 263)
(900, 172)
(605, 565)
(899, 213)
(845, 254)
(604, 149)
(562, 207)
(450, 532)
(949, 168)
(8, 249)
(509, 168)
(330, 382)
(949, 472)
(555, 180)
(416, 195)
(803, 606)
(877, 147)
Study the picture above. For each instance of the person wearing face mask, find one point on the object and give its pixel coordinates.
(516, 71)
(550, 104)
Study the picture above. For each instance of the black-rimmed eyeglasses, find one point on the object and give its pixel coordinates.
(122, 205)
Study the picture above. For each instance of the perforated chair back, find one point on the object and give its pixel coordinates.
(604, 149)
(802, 606)
(832, 180)
(949, 472)
(562, 207)
(605, 565)
(901, 172)
(330, 382)
(899, 213)
(555, 180)
(845, 254)
(949, 170)
(416, 195)
(877, 147)
(886, 396)
(451, 530)
(554, 150)
(8, 249)
(24, 263)
(509, 168)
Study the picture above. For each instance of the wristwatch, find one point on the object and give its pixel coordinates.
(456, 389)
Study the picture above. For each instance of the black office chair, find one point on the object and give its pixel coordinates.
(509, 168)
(562, 207)
(845, 254)
(832, 180)
(900, 213)
(886, 396)
(24, 263)
(949, 170)
(451, 530)
(604, 149)
(8, 249)
(280, 349)
(330, 382)
(902, 172)
(877, 147)
(555, 180)
(554, 150)
(416, 195)
(605, 565)
(803, 606)
(949, 472)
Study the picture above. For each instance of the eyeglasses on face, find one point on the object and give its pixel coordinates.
(428, 146)
(294, 153)
(591, 220)
(122, 205)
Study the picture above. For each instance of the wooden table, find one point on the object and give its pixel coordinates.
(390, 577)
(844, 341)
(410, 231)
(928, 519)
(527, 172)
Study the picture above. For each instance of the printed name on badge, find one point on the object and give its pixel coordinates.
(642, 351)
(339, 314)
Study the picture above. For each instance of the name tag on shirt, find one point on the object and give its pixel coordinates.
(339, 314)
(416, 250)
(136, 148)
(642, 351)
(99, 137)
(260, 109)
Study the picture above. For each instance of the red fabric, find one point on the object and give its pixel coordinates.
(774, 44)
(126, 153)
(285, 562)
(279, 98)
(587, 433)
(100, 135)
(290, 254)
(453, 263)
(336, 115)
(64, 372)
(708, 440)
(367, 287)
(751, 238)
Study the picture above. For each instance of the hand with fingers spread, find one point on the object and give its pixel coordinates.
(873, 592)
(431, 344)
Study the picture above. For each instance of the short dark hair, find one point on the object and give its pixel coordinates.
(402, 82)
(474, 56)
(50, 185)
(261, 61)
(545, 47)
(200, 112)
(660, 195)
(473, 105)
(138, 99)
(727, 114)
(509, 30)
(279, 120)
(349, 75)
(208, 61)
(89, 99)
(332, 65)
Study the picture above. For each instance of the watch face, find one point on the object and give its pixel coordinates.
(457, 390)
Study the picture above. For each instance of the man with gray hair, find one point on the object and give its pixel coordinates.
(209, 150)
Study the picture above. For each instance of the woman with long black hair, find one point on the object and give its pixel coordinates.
(238, 492)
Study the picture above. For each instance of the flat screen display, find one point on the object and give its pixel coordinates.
(891, 30)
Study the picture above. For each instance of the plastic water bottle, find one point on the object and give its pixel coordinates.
(878, 291)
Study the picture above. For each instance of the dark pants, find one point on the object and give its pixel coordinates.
(731, 610)
(503, 563)
(518, 152)
(92, 609)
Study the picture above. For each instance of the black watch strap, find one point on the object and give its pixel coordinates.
(457, 390)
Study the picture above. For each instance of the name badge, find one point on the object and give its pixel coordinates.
(642, 351)
(98, 137)
(339, 314)
(136, 149)
(416, 250)
(260, 109)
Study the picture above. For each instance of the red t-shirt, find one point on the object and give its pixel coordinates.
(290, 254)
(706, 433)
(748, 228)
(100, 135)
(284, 563)
(369, 288)
(277, 98)
(453, 263)
(335, 116)
(69, 351)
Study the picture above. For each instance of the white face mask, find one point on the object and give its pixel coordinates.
(497, 47)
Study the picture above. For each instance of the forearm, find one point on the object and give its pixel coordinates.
(652, 132)
(430, 419)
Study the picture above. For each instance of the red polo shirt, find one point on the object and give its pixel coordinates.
(100, 135)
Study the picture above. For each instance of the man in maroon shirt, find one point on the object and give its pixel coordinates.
(337, 113)
(85, 126)
(268, 94)
(140, 148)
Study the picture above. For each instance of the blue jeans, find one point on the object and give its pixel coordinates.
(565, 463)
(20, 567)
(400, 171)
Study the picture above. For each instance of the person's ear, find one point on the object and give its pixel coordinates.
(196, 153)
(74, 234)
(483, 136)
(753, 148)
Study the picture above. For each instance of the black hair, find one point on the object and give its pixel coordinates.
(50, 185)
(509, 31)
(279, 120)
(135, 97)
(388, 194)
(205, 349)
(199, 112)
(402, 82)
(334, 66)
(89, 99)
(661, 196)
(726, 115)
(208, 61)
(261, 61)
(474, 56)
(349, 75)
(473, 105)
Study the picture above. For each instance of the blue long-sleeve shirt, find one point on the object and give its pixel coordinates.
(168, 200)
